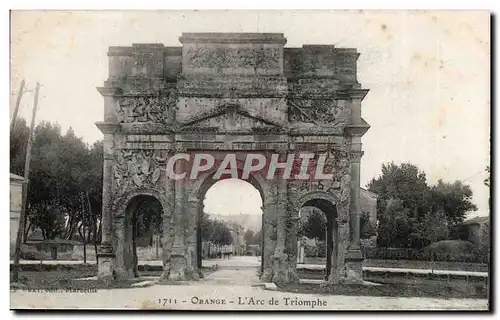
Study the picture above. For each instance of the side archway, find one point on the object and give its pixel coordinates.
(328, 204)
(129, 211)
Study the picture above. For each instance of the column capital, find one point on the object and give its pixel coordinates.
(108, 127)
(356, 156)
(282, 150)
(107, 91)
(357, 129)
(178, 148)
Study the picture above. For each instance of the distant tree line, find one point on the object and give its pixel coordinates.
(215, 231)
(65, 182)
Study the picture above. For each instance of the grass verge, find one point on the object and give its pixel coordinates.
(434, 290)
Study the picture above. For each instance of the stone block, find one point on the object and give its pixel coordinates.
(105, 268)
(143, 284)
(270, 286)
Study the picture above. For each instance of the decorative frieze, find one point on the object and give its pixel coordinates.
(316, 111)
(218, 58)
(145, 109)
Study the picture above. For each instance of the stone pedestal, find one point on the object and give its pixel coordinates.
(280, 268)
(267, 275)
(353, 267)
(105, 263)
(178, 268)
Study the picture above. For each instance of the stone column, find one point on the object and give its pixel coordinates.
(179, 260)
(105, 255)
(355, 206)
(354, 256)
(281, 272)
(354, 131)
(269, 237)
(168, 224)
(264, 233)
(109, 127)
(191, 238)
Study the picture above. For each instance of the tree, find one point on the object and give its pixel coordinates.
(47, 184)
(18, 144)
(222, 234)
(454, 199)
(65, 180)
(257, 237)
(368, 230)
(215, 231)
(394, 226)
(315, 225)
(248, 237)
(484, 241)
(148, 219)
(434, 227)
(412, 213)
(49, 217)
(405, 182)
(93, 186)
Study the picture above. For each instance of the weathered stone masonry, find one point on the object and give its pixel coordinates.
(230, 92)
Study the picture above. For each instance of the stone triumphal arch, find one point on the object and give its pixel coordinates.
(230, 92)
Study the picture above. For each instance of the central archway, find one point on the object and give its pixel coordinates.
(207, 182)
(233, 207)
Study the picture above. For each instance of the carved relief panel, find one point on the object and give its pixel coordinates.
(146, 109)
(338, 164)
(225, 57)
(322, 112)
(139, 169)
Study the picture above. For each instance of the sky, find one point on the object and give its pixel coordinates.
(232, 197)
(428, 75)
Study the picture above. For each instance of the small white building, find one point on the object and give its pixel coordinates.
(16, 194)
